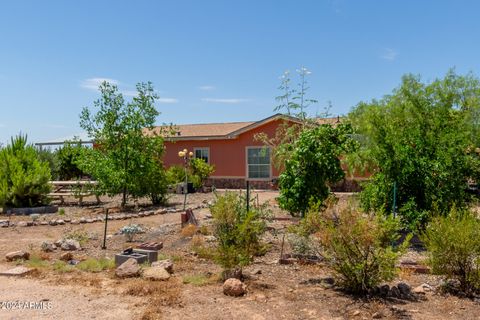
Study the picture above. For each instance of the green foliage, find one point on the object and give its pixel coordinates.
(313, 164)
(68, 157)
(200, 169)
(176, 174)
(125, 155)
(237, 230)
(23, 176)
(96, 265)
(453, 246)
(50, 157)
(423, 137)
(197, 172)
(359, 247)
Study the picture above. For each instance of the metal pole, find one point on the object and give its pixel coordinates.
(104, 247)
(248, 195)
(185, 189)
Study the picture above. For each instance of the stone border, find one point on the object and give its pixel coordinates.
(99, 218)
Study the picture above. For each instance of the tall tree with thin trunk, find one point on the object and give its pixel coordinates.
(124, 155)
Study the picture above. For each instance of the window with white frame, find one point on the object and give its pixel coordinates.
(258, 163)
(202, 153)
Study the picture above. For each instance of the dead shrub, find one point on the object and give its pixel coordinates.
(189, 230)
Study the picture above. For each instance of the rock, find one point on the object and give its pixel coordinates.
(109, 236)
(22, 224)
(15, 255)
(208, 216)
(156, 273)
(74, 221)
(257, 271)
(70, 245)
(234, 287)
(52, 222)
(4, 223)
(395, 292)
(48, 246)
(404, 289)
(384, 290)
(30, 223)
(129, 268)
(17, 271)
(210, 238)
(141, 214)
(83, 220)
(161, 211)
(89, 220)
(60, 222)
(43, 223)
(58, 243)
(165, 264)
(66, 256)
(377, 315)
(355, 313)
(422, 289)
(67, 220)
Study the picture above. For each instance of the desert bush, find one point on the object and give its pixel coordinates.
(359, 248)
(189, 230)
(79, 235)
(23, 177)
(238, 232)
(130, 231)
(453, 246)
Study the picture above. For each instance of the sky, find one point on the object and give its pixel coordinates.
(219, 61)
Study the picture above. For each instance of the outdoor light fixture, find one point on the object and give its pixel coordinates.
(186, 161)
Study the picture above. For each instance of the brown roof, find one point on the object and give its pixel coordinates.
(223, 130)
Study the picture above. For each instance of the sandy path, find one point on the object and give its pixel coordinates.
(65, 302)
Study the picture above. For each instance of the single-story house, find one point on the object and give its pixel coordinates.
(231, 148)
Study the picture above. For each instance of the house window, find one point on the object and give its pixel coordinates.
(258, 163)
(202, 153)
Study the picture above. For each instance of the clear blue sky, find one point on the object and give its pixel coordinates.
(214, 61)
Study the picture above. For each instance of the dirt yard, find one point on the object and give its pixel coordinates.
(274, 291)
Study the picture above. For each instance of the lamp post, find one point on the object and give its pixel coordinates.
(186, 159)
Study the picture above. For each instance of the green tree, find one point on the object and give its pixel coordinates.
(422, 138)
(68, 157)
(23, 176)
(314, 164)
(127, 149)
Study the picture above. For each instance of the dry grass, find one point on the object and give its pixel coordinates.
(160, 294)
(189, 230)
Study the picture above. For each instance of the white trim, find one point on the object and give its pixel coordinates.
(202, 148)
(270, 176)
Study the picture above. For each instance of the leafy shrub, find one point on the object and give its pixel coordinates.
(130, 231)
(50, 157)
(314, 163)
(23, 177)
(237, 231)
(422, 137)
(453, 245)
(200, 170)
(68, 157)
(359, 247)
(197, 172)
(175, 174)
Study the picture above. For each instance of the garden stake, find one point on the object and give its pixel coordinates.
(104, 247)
